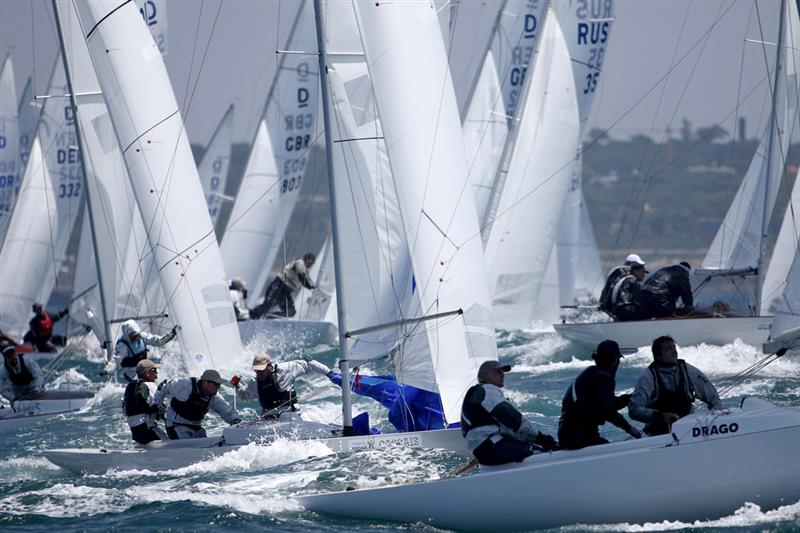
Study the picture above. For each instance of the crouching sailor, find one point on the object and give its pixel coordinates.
(19, 378)
(131, 347)
(139, 406)
(192, 398)
(495, 431)
(274, 384)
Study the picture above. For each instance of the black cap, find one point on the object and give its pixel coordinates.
(685, 265)
(489, 366)
(607, 349)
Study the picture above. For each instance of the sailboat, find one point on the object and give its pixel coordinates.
(9, 143)
(213, 167)
(447, 332)
(735, 264)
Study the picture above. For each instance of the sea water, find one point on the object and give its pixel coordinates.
(253, 486)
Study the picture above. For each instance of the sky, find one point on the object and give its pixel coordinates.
(667, 60)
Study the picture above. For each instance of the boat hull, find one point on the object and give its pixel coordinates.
(686, 331)
(47, 405)
(169, 455)
(280, 331)
(698, 477)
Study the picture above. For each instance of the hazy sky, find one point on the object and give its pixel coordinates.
(709, 64)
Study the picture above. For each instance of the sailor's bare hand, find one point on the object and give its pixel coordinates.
(669, 418)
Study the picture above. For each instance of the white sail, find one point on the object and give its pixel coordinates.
(738, 243)
(149, 129)
(783, 254)
(213, 167)
(26, 113)
(315, 304)
(536, 186)
(419, 117)
(27, 262)
(154, 13)
(270, 189)
(785, 331)
(9, 144)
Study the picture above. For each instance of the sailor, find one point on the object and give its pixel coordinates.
(590, 402)
(5, 339)
(605, 303)
(19, 378)
(274, 383)
(192, 399)
(138, 404)
(666, 391)
(290, 279)
(626, 295)
(40, 334)
(661, 291)
(131, 347)
(238, 294)
(496, 432)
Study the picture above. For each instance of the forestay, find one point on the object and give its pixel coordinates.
(213, 167)
(539, 175)
(9, 144)
(265, 201)
(149, 129)
(419, 118)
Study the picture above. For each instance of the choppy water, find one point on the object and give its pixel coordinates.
(253, 487)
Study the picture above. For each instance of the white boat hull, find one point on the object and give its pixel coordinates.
(650, 480)
(169, 455)
(686, 331)
(281, 331)
(47, 405)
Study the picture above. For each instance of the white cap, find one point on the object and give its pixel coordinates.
(633, 258)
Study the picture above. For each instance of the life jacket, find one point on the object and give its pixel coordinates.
(473, 414)
(617, 290)
(271, 396)
(133, 357)
(45, 327)
(23, 377)
(133, 404)
(606, 303)
(678, 401)
(195, 407)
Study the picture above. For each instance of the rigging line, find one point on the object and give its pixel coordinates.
(648, 180)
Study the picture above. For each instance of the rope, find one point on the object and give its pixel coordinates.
(733, 381)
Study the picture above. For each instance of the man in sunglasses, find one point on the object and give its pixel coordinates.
(139, 405)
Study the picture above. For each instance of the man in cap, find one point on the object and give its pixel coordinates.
(661, 291)
(19, 377)
(626, 296)
(606, 303)
(289, 280)
(139, 406)
(666, 390)
(274, 383)
(40, 334)
(496, 432)
(131, 347)
(590, 402)
(192, 399)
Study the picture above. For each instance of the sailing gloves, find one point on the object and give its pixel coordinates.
(545, 442)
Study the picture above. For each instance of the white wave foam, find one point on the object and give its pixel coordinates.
(553, 366)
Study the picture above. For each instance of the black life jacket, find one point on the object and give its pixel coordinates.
(195, 407)
(271, 396)
(133, 404)
(23, 377)
(678, 401)
(132, 359)
(473, 414)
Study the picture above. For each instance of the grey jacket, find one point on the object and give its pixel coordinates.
(497, 406)
(644, 394)
(181, 389)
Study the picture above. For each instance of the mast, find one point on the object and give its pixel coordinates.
(344, 368)
(770, 147)
(78, 138)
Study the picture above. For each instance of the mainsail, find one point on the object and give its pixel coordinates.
(154, 14)
(149, 129)
(9, 144)
(213, 167)
(26, 113)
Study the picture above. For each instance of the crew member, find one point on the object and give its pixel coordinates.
(280, 292)
(192, 399)
(131, 347)
(238, 294)
(626, 295)
(605, 303)
(19, 377)
(138, 404)
(661, 291)
(496, 432)
(666, 391)
(590, 402)
(274, 383)
(40, 334)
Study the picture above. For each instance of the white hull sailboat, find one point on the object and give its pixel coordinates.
(712, 464)
(752, 330)
(45, 405)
